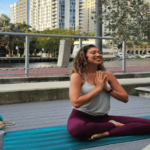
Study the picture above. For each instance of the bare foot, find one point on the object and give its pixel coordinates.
(97, 136)
(117, 124)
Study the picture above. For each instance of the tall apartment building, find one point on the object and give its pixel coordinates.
(13, 13)
(63, 14)
(80, 12)
(42, 14)
(20, 11)
(89, 25)
(52, 14)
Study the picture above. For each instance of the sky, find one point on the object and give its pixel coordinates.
(5, 6)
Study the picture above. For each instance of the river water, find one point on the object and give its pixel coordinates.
(115, 63)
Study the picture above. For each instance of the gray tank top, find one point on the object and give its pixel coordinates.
(99, 105)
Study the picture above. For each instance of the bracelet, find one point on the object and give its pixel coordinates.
(110, 90)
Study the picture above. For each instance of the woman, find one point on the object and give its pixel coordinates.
(90, 89)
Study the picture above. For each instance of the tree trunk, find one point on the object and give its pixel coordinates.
(10, 49)
(34, 52)
(9, 52)
(48, 54)
(41, 53)
(54, 52)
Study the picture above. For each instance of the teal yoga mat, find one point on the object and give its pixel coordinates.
(1, 117)
(57, 138)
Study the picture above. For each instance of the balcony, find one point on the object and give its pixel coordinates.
(54, 20)
(54, 10)
(54, 6)
(54, 13)
(54, 3)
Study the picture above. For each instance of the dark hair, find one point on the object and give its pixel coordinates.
(80, 62)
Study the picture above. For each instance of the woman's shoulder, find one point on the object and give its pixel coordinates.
(107, 73)
(76, 75)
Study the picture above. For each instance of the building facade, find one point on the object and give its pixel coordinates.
(88, 7)
(13, 13)
(40, 14)
(138, 49)
(43, 14)
(63, 14)
(20, 11)
(52, 14)
(80, 18)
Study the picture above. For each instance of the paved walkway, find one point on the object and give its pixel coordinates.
(35, 72)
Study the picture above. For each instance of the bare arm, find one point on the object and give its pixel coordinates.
(118, 91)
(76, 98)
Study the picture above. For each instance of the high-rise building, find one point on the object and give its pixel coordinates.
(13, 13)
(20, 11)
(89, 25)
(52, 14)
(42, 14)
(63, 14)
(80, 14)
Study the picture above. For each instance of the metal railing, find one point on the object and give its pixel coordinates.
(60, 36)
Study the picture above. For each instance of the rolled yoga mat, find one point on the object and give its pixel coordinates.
(1, 117)
(58, 138)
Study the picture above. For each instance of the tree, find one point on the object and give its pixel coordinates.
(130, 44)
(127, 19)
(9, 40)
(51, 44)
(92, 34)
(25, 26)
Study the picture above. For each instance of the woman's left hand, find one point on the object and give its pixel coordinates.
(106, 88)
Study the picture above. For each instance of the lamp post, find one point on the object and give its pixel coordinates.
(98, 27)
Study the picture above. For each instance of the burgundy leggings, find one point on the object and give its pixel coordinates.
(83, 126)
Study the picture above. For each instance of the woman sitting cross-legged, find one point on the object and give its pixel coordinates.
(90, 89)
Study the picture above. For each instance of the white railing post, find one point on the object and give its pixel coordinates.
(27, 57)
(80, 43)
(124, 57)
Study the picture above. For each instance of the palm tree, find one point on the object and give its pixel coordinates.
(25, 26)
(9, 40)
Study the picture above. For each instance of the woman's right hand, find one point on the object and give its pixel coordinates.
(100, 80)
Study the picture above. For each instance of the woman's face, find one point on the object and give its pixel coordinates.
(94, 56)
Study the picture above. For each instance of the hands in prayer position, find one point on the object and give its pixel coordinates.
(100, 81)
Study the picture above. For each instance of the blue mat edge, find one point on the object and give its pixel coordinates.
(58, 126)
(94, 143)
